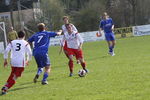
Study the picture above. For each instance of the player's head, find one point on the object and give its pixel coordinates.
(41, 27)
(66, 19)
(11, 28)
(21, 34)
(69, 27)
(105, 15)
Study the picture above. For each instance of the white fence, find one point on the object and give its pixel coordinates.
(141, 30)
(87, 36)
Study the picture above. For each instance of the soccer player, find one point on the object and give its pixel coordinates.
(19, 48)
(107, 25)
(64, 29)
(12, 34)
(74, 43)
(41, 41)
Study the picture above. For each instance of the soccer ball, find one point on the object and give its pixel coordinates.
(82, 73)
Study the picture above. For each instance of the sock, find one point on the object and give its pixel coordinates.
(70, 66)
(40, 70)
(45, 76)
(111, 48)
(83, 65)
(10, 82)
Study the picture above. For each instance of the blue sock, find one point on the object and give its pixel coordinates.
(45, 76)
(40, 70)
(111, 48)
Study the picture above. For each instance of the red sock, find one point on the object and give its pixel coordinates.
(70, 66)
(10, 81)
(83, 64)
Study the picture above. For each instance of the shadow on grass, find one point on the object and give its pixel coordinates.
(25, 83)
(101, 57)
(21, 88)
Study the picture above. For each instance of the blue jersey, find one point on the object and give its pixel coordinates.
(41, 41)
(106, 25)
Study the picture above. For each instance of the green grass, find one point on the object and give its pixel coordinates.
(125, 76)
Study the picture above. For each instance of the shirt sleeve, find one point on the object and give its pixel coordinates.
(62, 42)
(52, 34)
(8, 48)
(28, 52)
(79, 38)
(101, 25)
(74, 28)
(31, 39)
(112, 21)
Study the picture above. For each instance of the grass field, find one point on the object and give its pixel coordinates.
(125, 76)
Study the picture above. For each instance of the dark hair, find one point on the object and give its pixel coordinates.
(21, 34)
(67, 25)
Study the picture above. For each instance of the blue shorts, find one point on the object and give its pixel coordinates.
(110, 36)
(42, 60)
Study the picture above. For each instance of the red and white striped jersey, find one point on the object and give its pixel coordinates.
(19, 48)
(73, 40)
(64, 29)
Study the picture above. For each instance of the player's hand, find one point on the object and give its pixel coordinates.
(98, 34)
(60, 50)
(5, 63)
(79, 48)
(59, 32)
(27, 63)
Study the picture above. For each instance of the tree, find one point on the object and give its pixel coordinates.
(87, 19)
(53, 11)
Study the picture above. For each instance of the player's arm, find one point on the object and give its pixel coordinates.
(8, 48)
(62, 42)
(80, 40)
(99, 34)
(113, 26)
(31, 39)
(53, 34)
(29, 53)
(74, 28)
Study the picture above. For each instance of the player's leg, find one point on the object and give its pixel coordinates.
(38, 59)
(113, 42)
(46, 64)
(109, 38)
(66, 53)
(109, 46)
(70, 63)
(79, 56)
(16, 72)
(5, 87)
(65, 49)
(46, 74)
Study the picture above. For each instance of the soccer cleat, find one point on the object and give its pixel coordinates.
(87, 71)
(44, 82)
(71, 74)
(35, 78)
(4, 91)
(112, 53)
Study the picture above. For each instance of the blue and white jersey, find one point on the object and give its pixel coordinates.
(106, 25)
(41, 41)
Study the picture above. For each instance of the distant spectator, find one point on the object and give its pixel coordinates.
(12, 34)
